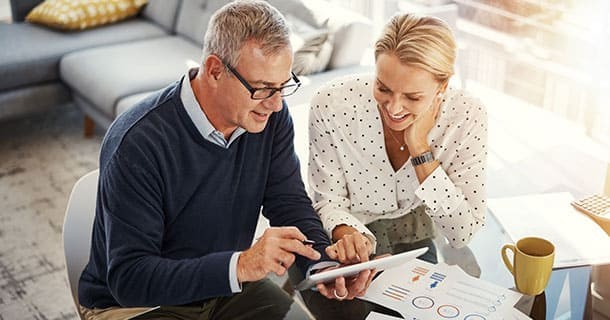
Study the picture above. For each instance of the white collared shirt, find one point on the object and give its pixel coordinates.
(201, 121)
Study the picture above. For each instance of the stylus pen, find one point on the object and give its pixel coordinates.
(308, 242)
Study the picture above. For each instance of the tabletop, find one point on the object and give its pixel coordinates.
(566, 295)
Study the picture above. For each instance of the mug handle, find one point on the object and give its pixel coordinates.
(505, 258)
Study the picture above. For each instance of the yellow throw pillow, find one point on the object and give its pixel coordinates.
(83, 14)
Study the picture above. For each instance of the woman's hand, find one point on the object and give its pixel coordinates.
(352, 247)
(416, 134)
(347, 289)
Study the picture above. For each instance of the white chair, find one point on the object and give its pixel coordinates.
(78, 224)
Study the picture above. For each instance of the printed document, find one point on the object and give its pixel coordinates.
(420, 290)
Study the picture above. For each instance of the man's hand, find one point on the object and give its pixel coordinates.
(352, 248)
(273, 252)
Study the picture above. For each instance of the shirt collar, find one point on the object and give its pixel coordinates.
(201, 121)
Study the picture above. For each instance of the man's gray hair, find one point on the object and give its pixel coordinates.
(240, 21)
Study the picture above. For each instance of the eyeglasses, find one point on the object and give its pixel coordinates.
(264, 93)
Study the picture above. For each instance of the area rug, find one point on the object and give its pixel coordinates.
(41, 157)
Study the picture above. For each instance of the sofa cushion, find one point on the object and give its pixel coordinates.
(194, 16)
(35, 51)
(105, 75)
(162, 12)
(81, 15)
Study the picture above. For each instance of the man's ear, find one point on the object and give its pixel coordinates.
(213, 68)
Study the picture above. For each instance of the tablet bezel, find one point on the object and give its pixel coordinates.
(351, 270)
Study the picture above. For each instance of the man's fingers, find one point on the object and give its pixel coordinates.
(284, 232)
(278, 268)
(289, 239)
(297, 247)
(285, 259)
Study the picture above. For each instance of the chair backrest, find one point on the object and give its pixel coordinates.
(78, 224)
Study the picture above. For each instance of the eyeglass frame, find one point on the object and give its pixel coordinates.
(253, 90)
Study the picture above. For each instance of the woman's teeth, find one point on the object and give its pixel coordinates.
(399, 117)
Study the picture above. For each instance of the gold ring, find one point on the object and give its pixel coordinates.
(338, 296)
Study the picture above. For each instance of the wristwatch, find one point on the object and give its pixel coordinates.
(422, 158)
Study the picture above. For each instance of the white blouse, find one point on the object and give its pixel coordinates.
(352, 180)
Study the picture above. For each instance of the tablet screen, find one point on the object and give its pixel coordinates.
(354, 269)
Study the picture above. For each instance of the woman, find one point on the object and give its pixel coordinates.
(396, 153)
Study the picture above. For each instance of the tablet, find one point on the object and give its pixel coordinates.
(354, 269)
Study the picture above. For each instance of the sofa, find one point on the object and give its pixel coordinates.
(106, 70)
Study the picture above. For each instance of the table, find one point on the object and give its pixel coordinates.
(482, 259)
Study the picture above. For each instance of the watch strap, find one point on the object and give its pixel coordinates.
(422, 158)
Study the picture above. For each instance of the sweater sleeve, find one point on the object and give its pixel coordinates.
(285, 202)
(131, 200)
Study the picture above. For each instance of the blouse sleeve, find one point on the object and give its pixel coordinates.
(326, 178)
(454, 193)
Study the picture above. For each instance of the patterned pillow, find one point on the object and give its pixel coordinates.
(83, 14)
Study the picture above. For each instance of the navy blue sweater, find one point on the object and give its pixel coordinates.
(173, 207)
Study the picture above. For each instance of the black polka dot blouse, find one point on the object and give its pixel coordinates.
(352, 182)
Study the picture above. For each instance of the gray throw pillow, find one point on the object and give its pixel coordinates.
(312, 47)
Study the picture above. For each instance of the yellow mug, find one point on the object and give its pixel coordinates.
(532, 264)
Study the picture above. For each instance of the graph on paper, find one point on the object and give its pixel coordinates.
(420, 290)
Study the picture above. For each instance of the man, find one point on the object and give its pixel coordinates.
(183, 175)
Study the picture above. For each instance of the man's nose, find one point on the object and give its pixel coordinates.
(274, 103)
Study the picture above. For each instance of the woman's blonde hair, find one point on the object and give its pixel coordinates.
(422, 41)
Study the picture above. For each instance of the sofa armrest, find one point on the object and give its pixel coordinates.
(21, 8)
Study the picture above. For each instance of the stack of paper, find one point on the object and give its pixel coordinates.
(420, 290)
(578, 240)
